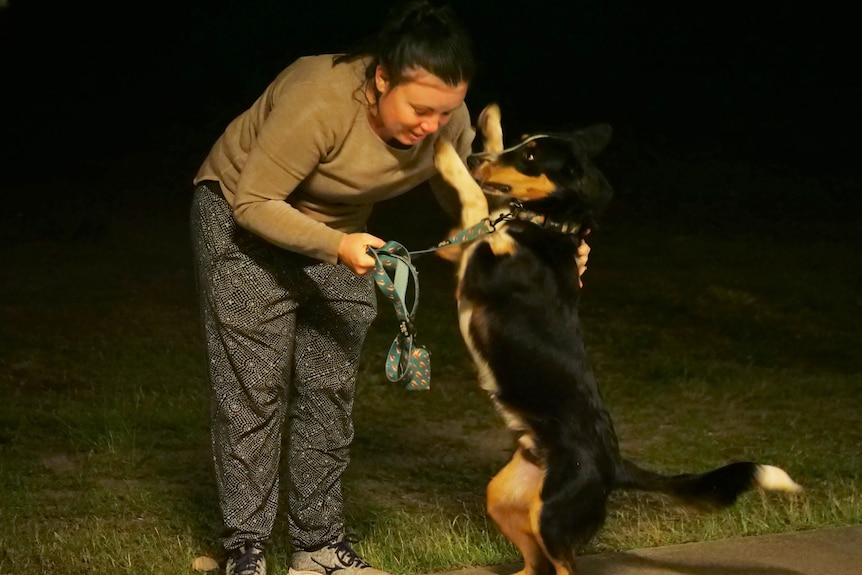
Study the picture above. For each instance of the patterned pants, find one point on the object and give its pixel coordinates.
(284, 335)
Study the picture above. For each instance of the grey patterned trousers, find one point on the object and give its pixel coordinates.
(284, 334)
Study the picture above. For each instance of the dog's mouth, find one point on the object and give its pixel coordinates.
(495, 188)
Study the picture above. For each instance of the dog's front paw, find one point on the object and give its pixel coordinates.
(502, 244)
(454, 172)
(451, 253)
(528, 447)
(490, 124)
(447, 161)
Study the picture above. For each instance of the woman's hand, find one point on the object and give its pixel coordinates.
(581, 259)
(353, 252)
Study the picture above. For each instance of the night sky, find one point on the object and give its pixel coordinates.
(88, 83)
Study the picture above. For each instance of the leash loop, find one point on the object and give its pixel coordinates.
(405, 361)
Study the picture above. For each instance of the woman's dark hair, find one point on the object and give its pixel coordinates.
(419, 34)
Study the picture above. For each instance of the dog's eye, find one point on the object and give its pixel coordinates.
(528, 157)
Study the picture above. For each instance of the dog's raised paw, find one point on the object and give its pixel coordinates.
(447, 161)
(490, 124)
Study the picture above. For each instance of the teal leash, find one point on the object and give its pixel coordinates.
(486, 226)
(393, 270)
(406, 360)
(471, 233)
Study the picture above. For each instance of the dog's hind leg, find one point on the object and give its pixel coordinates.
(513, 500)
(562, 565)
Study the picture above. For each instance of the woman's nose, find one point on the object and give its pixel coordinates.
(430, 125)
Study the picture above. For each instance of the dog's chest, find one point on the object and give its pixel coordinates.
(518, 268)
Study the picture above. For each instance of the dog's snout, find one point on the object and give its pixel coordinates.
(474, 161)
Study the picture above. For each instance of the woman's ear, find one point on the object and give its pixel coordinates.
(381, 79)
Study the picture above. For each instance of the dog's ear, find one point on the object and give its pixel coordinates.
(592, 140)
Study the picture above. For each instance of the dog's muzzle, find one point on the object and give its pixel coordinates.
(474, 161)
(495, 188)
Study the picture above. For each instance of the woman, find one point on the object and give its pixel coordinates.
(282, 262)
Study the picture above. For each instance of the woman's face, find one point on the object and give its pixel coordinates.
(418, 106)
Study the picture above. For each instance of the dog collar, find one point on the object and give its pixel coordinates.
(545, 222)
(519, 213)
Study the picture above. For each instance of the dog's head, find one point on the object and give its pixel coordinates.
(552, 174)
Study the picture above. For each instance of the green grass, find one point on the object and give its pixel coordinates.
(713, 340)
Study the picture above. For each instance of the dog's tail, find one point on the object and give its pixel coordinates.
(710, 490)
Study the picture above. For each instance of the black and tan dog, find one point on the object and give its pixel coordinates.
(518, 312)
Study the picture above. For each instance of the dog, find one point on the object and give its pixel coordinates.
(518, 291)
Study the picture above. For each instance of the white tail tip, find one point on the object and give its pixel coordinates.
(775, 479)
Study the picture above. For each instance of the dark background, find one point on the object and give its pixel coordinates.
(121, 91)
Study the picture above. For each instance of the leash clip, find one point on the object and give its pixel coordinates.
(407, 328)
(516, 206)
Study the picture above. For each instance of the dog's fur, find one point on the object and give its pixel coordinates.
(518, 290)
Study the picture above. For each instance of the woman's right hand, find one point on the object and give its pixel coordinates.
(581, 259)
(353, 252)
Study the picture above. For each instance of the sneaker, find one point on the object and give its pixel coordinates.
(247, 560)
(336, 558)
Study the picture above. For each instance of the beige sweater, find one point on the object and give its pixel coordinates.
(302, 166)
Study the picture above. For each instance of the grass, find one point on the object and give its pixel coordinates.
(713, 340)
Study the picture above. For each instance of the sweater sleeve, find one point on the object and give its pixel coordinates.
(299, 128)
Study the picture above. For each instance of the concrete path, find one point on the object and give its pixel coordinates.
(831, 551)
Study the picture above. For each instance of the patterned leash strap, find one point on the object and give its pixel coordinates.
(405, 361)
(486, 226)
